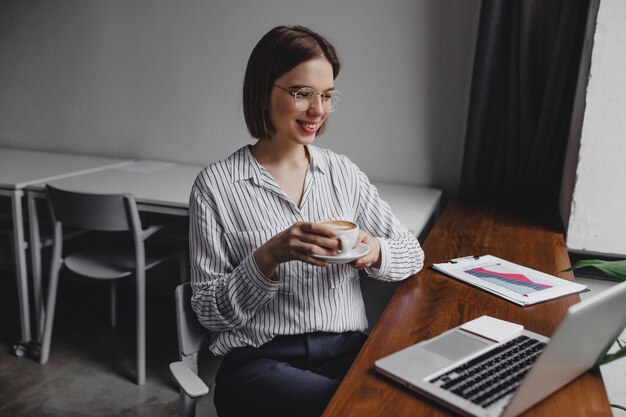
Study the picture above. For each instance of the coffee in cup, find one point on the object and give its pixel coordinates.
(346, 232)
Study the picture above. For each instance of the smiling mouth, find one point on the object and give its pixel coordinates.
(310, 126)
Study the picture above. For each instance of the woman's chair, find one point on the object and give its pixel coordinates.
(105, 259)
(192, 338)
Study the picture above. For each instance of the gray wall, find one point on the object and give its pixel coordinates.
(161, 79)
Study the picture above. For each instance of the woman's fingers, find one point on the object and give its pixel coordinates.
(363, 262)
(317, 229)
(313, 249)
(373, 257)
(314, 261)
(327, 244)
(319, 235)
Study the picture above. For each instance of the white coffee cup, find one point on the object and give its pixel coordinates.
(346, 232)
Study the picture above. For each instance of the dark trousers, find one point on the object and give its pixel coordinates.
(291, 376)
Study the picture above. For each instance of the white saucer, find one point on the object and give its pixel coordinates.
(355, 253)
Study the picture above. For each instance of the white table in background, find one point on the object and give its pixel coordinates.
(18, 169)
(158, 187)
(415, 206)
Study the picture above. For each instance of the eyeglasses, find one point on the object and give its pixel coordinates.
(303, 98)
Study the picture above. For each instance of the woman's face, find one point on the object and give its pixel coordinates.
(300, 126)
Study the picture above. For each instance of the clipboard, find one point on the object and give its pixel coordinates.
(516, 283)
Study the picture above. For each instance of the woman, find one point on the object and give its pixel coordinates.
(287, 322)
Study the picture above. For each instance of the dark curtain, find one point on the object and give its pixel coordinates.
(522, 94)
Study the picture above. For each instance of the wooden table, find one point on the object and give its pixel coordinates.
(430, 303)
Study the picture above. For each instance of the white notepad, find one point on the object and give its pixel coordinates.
(492, 328)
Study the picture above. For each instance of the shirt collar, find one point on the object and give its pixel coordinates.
(318, 159)
(245, 166)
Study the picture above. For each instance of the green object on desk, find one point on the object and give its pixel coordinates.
(615, 269)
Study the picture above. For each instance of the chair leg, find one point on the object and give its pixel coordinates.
(186, 405)
(50, 306)
(113, 304)
(141, 328)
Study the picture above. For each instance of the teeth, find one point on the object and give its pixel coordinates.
(309, 126)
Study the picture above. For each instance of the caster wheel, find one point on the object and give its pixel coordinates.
(19, 349)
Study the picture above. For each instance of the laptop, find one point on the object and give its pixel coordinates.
(491, 367)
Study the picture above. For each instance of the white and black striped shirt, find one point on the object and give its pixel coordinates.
(236, 206)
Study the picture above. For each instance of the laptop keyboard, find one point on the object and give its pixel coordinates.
(493, 375)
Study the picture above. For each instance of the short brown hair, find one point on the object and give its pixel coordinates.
(279, 51)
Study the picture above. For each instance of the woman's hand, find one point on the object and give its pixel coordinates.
(373, 258)
(297, 242)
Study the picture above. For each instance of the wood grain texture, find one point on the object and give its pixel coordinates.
(429, 303)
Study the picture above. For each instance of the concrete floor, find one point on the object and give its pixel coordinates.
(91, 370)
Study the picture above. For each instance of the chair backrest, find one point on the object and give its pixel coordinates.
(100, 212)
(192, 336)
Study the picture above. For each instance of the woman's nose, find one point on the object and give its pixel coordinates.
(317, 105)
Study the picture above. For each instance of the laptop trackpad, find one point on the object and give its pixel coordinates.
(454, 345)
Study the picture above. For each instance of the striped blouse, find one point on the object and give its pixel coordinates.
(236, 206)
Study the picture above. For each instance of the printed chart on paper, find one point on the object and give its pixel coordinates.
(500, 275)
